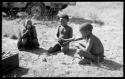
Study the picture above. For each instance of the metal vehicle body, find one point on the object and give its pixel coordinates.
(38, 8)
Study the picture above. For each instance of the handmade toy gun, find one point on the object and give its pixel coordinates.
(64, 42)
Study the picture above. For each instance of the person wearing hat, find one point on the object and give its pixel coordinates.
(64, 32)
(28, 39)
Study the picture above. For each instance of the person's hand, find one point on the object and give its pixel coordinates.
(77, 47)
(74, 39)
(62, 40)
(59, 39)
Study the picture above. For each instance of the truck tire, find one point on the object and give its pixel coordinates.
(36, 9)
(51, 13)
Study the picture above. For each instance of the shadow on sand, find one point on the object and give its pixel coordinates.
(111, 65)
(18, 72)
(107, 64)
(37, 51)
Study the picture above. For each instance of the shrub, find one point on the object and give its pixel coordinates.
(13, 37)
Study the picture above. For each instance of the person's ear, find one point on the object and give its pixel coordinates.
(67, 20)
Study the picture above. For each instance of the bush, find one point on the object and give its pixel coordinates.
(13, 37)
(5, 35)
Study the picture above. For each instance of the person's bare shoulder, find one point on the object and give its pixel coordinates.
(69, 27)
(95, 38)
(92, 38)
(97, 41)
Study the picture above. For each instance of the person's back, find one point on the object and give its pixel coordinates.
(97, 47)
(33, 34)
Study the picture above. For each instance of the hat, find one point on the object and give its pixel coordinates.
(86, 27)
(64, 16)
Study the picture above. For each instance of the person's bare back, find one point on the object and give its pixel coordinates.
(97, 47)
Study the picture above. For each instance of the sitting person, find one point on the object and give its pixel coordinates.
(28, 38)
(64, 32)
(92, 50)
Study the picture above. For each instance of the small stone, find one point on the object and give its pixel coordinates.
(45, 60)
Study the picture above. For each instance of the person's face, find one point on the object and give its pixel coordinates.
(29, 23)
(28, 26)
(63, 21)
(85, 33)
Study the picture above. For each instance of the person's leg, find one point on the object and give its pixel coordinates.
(85, 61)
(65, 49)
(88, 55)
(55, 48)
(19, 44)
(100, 58)
(35, 43)
(22, 44)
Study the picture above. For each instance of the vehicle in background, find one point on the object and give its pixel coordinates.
(34, 8)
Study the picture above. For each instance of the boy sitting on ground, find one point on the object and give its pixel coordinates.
(28, 39)
(64, 32)
(92, 50)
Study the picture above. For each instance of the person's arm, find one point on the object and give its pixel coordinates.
(85, 51)
(58, 32)
(69, 39)
(72, 39)
(70, 33)
(88, 46)
(34, 31)
(25, 33)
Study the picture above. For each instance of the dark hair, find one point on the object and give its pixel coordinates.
(64, 16)
(86, 27)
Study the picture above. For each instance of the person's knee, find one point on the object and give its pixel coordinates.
(54, 48)
(35, 42)
(24, 41)
(65, 49)
(80, 52)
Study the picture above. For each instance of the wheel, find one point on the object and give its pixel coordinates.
(36, 9)
(51, 13)
(7, 11)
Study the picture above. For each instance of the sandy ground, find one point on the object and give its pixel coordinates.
(37, 63)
